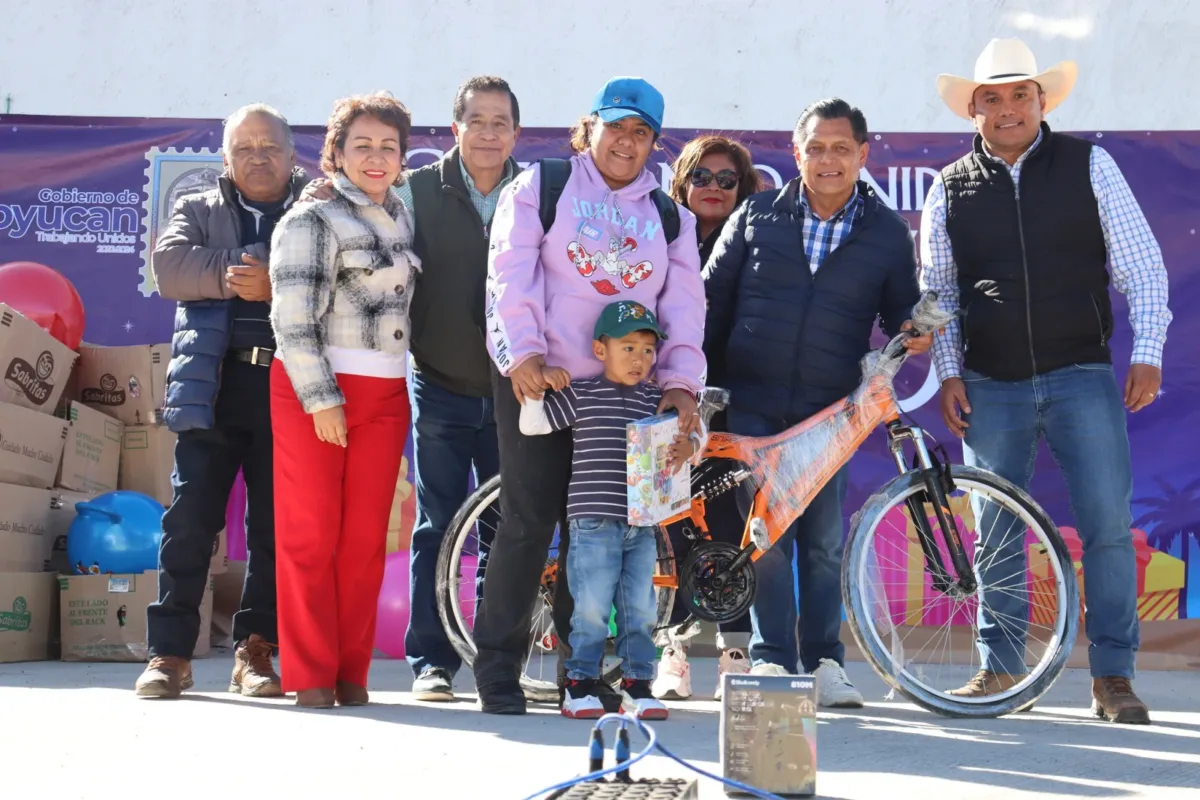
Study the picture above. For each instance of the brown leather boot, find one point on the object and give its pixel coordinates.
(348, 694)
(1113, 699)
(164, 677)
(253, 673)
(314, 698)
(987, 683)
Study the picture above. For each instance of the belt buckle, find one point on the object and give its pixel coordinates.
(254, 356)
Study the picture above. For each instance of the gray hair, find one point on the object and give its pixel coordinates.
(236, 118)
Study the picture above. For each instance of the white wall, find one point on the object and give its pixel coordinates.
(732, 64)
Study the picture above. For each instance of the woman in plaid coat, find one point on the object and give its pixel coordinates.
(342, 271)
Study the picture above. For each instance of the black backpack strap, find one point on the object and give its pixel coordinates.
(554, 173)
(668, 212)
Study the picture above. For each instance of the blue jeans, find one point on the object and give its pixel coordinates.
(817, 539)
(451, 434)
(1079, 410)
(612, 563)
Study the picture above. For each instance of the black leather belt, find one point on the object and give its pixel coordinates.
(258, 356)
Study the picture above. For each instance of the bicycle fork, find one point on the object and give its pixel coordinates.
(936, 478)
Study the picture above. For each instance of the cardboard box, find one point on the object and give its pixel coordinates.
(92, 453)
(62, 514)
(147, 461)
(655, 493)
(35, 365)
(31, 446)
(25, 529)
(124, 382)
(220, 559)
(768, 734)
(104, 616)
(28, 616)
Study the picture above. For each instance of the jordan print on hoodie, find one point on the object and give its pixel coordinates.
(545, 291)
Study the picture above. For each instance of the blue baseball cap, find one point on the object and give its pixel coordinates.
(630, 97)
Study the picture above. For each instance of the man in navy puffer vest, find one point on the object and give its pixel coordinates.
(794, 286)
(212, 258)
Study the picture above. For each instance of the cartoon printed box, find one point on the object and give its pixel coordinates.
(655, 493)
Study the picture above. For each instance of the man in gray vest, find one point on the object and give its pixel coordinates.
(454, 426)
(1017, 235)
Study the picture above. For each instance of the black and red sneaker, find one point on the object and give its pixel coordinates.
(638, 695)
(582, 699)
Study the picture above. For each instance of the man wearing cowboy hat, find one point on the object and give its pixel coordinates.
(1016, 235)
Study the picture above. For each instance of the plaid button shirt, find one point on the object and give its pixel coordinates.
(822, 236)
(1134, 256)
(342, 272)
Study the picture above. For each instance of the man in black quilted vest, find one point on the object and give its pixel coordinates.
(1017, 235)
(794, 286)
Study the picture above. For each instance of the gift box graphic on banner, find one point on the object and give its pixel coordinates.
(912, 600)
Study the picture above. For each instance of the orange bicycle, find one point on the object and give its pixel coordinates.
(922, 556)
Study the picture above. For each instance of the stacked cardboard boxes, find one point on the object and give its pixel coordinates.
(72, 426)
(35, 368)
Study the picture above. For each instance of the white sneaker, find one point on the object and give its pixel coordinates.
(732, 662)
(674, 680)
(772, 670)
(636, 696)
(834, 689)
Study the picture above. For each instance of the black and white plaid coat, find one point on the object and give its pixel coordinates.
(342, 272)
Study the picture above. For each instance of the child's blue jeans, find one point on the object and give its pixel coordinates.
(611, 563)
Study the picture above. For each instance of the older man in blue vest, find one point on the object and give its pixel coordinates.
(212, 259)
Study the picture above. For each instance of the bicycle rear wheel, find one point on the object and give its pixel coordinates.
(461, 570)
(1025, 613)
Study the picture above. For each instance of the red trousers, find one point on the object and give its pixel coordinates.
(331, 517)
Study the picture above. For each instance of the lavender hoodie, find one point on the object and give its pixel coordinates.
(546, 291)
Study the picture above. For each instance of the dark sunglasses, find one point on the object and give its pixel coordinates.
(702, 176)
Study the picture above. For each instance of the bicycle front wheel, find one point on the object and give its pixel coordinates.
(1021, 621)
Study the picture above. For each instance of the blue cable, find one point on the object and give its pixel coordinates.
(651, 745)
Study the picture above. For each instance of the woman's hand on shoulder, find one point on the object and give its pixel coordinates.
(319, 189)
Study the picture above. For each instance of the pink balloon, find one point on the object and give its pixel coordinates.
(235, 521)
(392, 620)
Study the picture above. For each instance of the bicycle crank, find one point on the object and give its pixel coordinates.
(715, 592)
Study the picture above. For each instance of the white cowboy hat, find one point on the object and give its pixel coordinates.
(1007, 61)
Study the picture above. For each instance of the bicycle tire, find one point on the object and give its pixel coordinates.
(448, 569)
(863, 525)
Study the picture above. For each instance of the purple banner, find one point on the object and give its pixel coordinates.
(87, 196)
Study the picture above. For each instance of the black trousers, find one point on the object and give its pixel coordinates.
(534, 474)
(206, 466)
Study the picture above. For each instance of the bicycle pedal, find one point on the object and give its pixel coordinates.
(641, 789)
(759, 535)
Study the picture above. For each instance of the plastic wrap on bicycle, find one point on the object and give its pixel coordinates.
(788, 470)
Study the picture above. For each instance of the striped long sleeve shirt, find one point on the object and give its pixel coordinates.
(597, 410)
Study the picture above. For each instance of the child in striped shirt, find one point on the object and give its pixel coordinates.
(609, 562)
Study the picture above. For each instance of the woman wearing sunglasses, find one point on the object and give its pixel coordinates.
(712, 175)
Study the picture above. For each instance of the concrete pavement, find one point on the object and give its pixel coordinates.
(76, 731)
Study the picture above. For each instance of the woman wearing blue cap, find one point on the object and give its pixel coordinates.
(613, 234)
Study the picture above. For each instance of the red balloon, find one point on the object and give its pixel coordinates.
(45, 296)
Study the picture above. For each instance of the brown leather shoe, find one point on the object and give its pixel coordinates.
(987, 683)
(253, 673)
(348, 694)
(1113, 699)
(315, 698)
(164, 677)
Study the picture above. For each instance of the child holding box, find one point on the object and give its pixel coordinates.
(610, 562)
